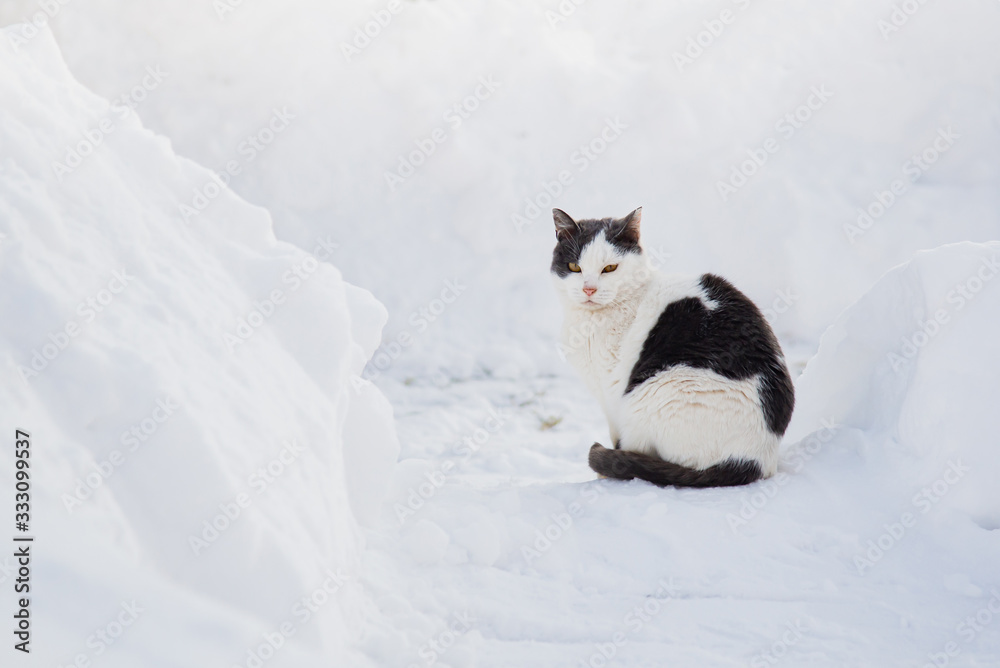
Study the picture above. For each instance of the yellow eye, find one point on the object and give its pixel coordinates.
(610, 268)
(574, 267)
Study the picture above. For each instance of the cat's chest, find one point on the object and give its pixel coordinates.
(593, 342)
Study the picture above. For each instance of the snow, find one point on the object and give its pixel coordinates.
(179, 454)
(478, 536)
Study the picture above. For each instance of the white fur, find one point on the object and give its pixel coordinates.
(693, 417)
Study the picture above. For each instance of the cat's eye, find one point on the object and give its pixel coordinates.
(610, 268)
(574, 267)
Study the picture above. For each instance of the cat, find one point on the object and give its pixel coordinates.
(689, 374)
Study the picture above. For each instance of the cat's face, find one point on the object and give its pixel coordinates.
(596, 262)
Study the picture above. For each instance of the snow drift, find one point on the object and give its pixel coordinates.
(201, 448)
(913, 370)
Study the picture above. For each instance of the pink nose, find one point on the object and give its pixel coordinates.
(589, 291)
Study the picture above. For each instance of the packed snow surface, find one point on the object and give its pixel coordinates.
(837, 161)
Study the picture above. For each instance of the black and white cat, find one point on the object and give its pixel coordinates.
(689, 374)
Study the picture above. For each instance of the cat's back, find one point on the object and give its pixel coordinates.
(706, 323)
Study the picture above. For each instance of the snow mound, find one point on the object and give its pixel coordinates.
(200, 454)
(914, 366)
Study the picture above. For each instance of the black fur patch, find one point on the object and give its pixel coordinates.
(733, 340)
(570, 247)
(626, 465)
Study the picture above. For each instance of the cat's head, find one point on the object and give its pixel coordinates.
(596, 262)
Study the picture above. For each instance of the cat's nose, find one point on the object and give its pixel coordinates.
(589, 291)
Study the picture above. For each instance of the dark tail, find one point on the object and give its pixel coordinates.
(626, 465)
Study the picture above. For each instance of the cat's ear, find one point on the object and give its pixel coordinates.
(630, 227)
(566, 227)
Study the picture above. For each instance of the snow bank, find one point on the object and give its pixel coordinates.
(197, 441)
(914, 367)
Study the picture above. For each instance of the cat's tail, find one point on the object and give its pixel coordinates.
(626, 465)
